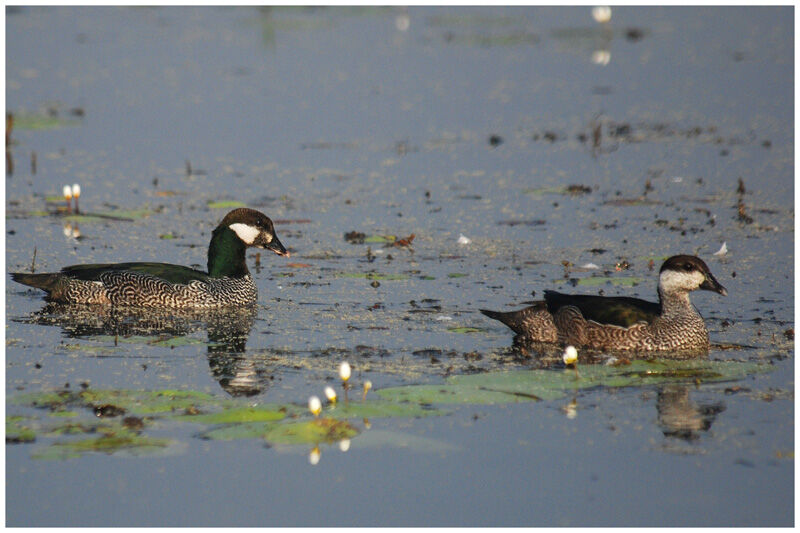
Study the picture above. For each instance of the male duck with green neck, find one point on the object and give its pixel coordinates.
(227, 283)
(621, 323)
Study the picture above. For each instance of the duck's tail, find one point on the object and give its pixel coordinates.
(533, 322)
(46, 282)
(512, 319)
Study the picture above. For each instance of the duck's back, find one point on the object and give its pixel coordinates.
(142, 284)
(165, 271)
(619, 311)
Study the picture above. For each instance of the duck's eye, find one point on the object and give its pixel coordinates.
(688, 267)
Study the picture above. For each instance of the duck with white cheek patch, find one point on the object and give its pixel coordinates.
(621, 323)
(227, 283)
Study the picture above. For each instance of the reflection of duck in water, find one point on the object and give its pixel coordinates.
(227, 282)
(679, 417)
(621, 323)
(228, 331)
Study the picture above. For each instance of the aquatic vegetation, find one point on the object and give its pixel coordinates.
(530, 385)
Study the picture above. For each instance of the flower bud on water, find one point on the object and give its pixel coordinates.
(330, 394)
(570, 355)
(314, 405)
(344, 371)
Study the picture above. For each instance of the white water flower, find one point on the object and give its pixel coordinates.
(67, 192)
(601, 14)
(330, 394)
(463, 239)
(570, 356)
(76, 190)
(314, 405)
(344, 371)
(344, 445)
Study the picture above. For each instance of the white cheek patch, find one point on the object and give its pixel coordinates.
(673, 280)
(247, 233)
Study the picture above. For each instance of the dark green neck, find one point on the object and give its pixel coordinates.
(226, 254)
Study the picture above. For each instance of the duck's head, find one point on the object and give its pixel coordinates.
(684, 273)
(254, 229)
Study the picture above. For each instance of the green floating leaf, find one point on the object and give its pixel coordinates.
(165, 341)
(317, 431)
(508, 387)
(464, 329)
(134, 402)
(253, 430)
(372, 275)
(546, 190)
(123, 440)
(457, 275)
(42, 122)
(377, 438)
(63, 414)
(378, 409)
(123, 215)
(226, 204)
(593, 281)
(377, 239)
(18, 430)
(236, 416)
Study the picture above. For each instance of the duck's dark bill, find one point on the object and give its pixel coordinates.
(276, 246)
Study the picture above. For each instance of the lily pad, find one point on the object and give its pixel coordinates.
(236, 416)
(18, 430)
(320, 430)
(122, 215)
(136, 402)
(164, 340)
(42, 122)
(372, 275)
(509, 387)
(464, 329)
(253, 430)
(226, 204)
(456, 275)
(593, 281)
(123, 440)
(379, 409)
(377, 438)
(380, 238)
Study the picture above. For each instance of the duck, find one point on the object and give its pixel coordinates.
(619, 323)
(227, 283)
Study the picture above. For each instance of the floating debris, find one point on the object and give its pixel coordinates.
(402, 243)
(462, 239)
(355, 237)
(722, 249)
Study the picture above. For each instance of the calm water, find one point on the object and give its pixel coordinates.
(437, 123)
